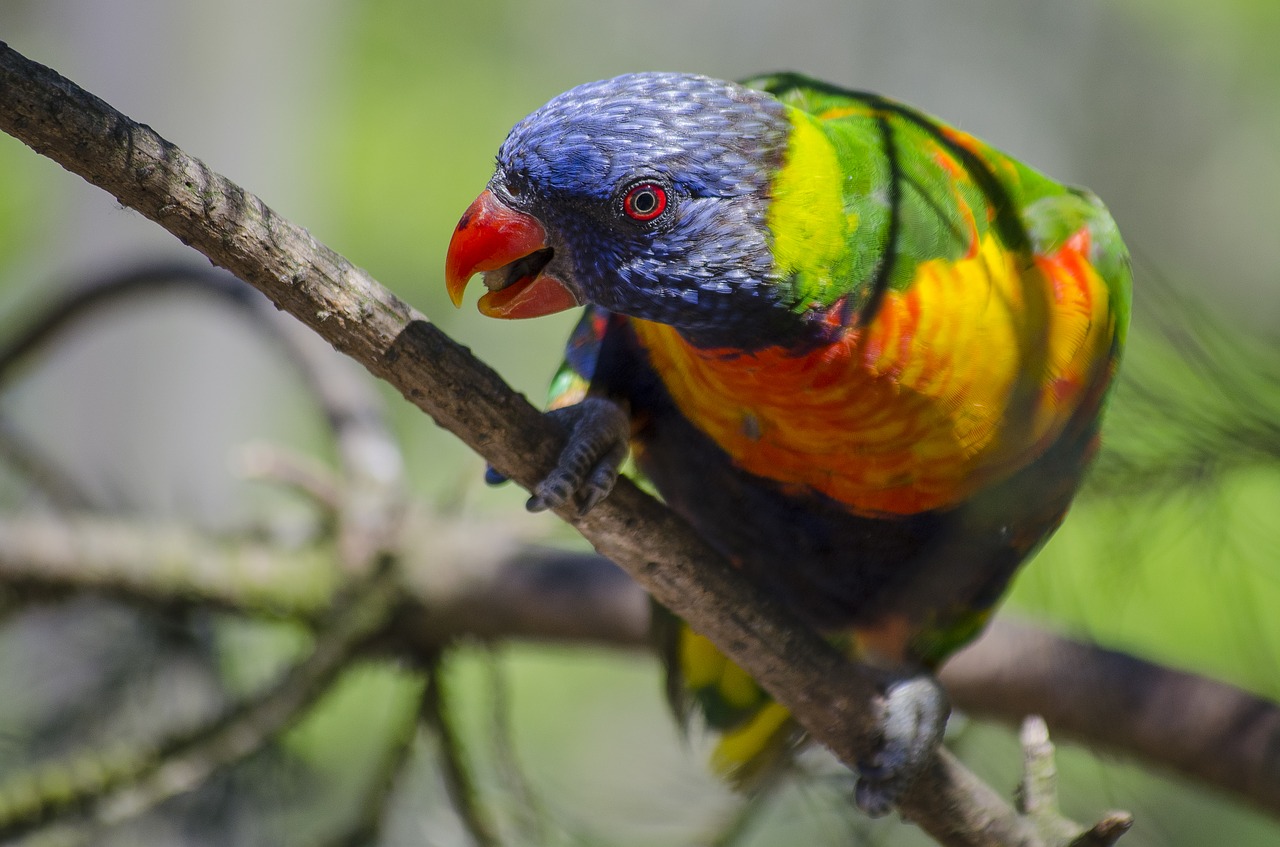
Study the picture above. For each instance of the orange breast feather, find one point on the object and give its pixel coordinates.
(912, 412)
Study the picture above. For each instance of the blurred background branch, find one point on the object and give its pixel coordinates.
(499, 589)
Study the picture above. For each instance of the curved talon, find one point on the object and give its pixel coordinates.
(915, 715)
(493, 476)
(603, 477)
(599, 434)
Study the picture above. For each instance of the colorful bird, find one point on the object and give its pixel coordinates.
(862, 352)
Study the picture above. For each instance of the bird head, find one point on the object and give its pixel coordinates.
(647, 195)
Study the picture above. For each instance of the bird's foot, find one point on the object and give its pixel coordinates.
(599, 434)
(913, 717)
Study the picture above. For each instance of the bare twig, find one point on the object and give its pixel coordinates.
(530, 820)
(39, 469)
(271, 463)
(69, 802)
(371, 494)
(453, 763)
(738, 826)
(371, 463)
(1038, 793)
(42, 330)
(56, 317)
(396, 755)
(1105, 832)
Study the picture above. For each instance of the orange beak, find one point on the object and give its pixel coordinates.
(510, 249)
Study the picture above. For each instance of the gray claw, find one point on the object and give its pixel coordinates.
(599, 433)
(914, 717)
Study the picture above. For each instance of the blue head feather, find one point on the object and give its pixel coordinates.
(704, 266)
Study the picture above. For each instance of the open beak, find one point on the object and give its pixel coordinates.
(510, 249)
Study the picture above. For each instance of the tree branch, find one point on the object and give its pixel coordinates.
(479, 580)
(162, 565)
(453, 762)
(1195, 726)
(832, 698)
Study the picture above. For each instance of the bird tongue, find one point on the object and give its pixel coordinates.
(528, 296)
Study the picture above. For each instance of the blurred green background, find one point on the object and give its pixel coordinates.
(374, 123)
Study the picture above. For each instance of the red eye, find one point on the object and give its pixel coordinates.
(645, 201)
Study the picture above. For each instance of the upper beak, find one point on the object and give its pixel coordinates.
(510, 248)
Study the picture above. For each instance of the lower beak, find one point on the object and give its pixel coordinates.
(510, 248)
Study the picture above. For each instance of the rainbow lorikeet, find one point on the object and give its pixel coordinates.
(861, 351)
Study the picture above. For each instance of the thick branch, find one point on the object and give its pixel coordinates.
(831, 698)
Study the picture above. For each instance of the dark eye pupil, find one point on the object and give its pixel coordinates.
(644, 201)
